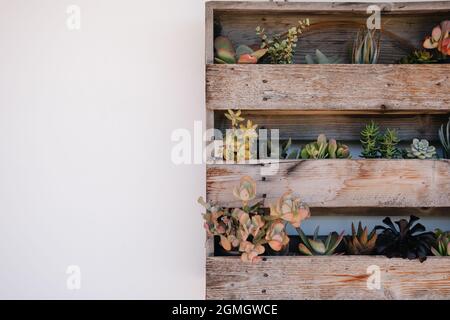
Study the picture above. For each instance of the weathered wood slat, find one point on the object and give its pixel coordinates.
(381, 212)
(340, 183)
(336, 277)
(380, 88)
(330, 7)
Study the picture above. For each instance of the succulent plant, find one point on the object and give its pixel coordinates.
(246, 190)
(366, 48)
(442, 244)
(408, 241)
(289, 152)
(281, 48)
(324, 149)
(291, 209)
(317, 247)
(444, 137)
(226, 54)
(320, 58)
(370, 139)
(439, 38)
(361, 242)
(418, 57)
(388, 145)
(421, 149)
(276, 236)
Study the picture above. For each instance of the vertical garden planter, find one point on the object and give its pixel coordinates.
(304, 100)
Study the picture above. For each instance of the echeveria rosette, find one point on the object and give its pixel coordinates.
(291, 209)
(439, 38)
(276, 236)
(246, 191)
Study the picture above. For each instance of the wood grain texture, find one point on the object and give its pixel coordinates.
(381, 212)
(341, 127)
(329, 7)
(339, 183)
(328, 87)
(336, 277)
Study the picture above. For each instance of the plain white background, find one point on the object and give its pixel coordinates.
(85, 171)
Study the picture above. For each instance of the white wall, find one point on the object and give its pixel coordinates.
(85, 171)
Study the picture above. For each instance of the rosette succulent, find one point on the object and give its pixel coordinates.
(421, 149)
(290, 209)
(276, 236)
(442, 244)
(246, 191)
(407, 241)
(324, 149)
(361, 242)
(439, 38)
(317, 247)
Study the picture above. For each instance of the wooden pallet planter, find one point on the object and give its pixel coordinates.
(305, 100)
(335, 277)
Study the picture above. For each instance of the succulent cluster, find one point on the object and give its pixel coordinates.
(281, 48)
(418, 57)
(243, 54)
(325, 149)
(407, 241)
(444, 137)
(366, 48)
(245, 230)
(320, 58)
(315, 246)
(442, 245)
(377, 145)
(439, 38)
(361, 242)
(421, 149)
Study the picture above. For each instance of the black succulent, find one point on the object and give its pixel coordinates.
(408, 241)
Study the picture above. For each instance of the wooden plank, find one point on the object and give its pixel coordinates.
(335, 277)
(380, 212)
(339, 183)
(209, 33)
(330, 7)
(341, 127)
(329, 87)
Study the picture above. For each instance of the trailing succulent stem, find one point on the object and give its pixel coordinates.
(407, 241)
(316, 247)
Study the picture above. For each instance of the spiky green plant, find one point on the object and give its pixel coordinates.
(320, 58)
(444, 136)
(370, 138)
(316, 247)
(366, 48)
(388, 145)
(442, 245)
(421, 149)
(281, 48)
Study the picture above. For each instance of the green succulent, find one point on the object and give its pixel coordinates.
(226, 54)
(444, 136)
(442, 245)
(370, 138)
(366, 48)
(317, 247)
(421, 149)
(418, 57)
(320, 58)
(281, 48)
(289, 152)
(388, 145)
(324, 149)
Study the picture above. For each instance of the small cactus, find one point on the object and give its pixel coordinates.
(388, 145)
(421, 149)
